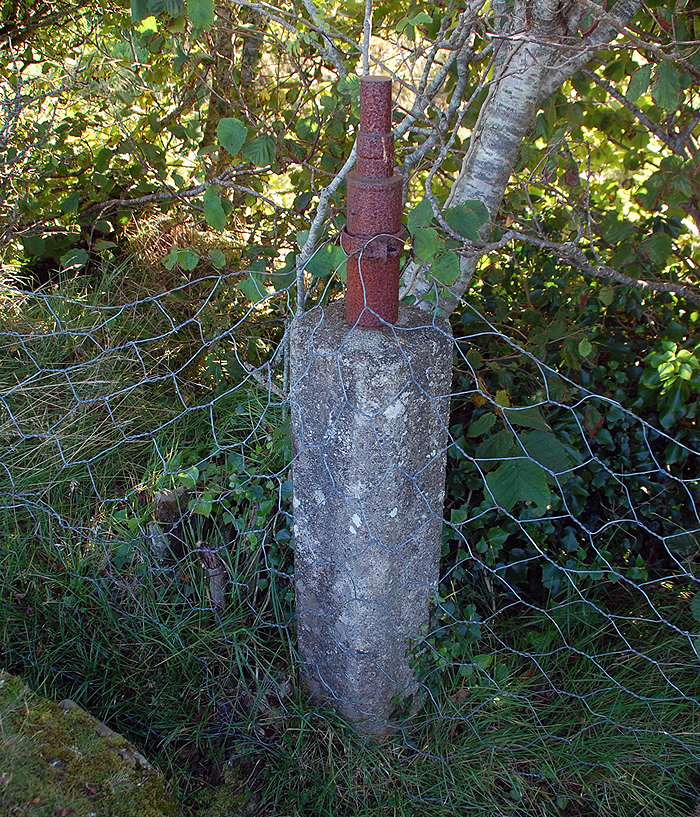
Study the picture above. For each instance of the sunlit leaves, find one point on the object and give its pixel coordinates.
(187, 258)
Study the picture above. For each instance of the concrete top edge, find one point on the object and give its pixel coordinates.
(410, 319)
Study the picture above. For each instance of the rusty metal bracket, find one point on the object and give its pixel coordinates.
(373, 236)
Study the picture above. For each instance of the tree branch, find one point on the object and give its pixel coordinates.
(575, 256)
(309, 248)
(638, 113)
(366, 37)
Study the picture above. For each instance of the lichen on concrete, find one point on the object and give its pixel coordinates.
(56, 759)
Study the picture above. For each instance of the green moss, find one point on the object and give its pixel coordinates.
(228, 799)
(54, 760)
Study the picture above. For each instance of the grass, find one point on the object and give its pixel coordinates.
(576, 707)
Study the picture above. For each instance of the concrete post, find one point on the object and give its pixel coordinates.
(369, 415)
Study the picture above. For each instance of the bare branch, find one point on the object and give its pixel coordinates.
(637, 111)
(331, 52)
(309, 248)
(572, 254)
(366, 37)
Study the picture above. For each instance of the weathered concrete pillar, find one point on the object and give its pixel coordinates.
(369, 415)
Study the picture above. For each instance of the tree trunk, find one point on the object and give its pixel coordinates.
(524, 77)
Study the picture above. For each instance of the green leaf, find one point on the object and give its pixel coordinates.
(202, 505)
(100, 245)
(427, 244)
(529, 417)
(181, 59)
(695, 606)
(657, 248)
(497, 447)
(445, 268)
(325, 260)
(546, 449)
(74, 259)
(213, 210)
(70, 204)
(667, 369)
(639, 83)
(260, 151)
(666, 87)
(519, 480)
(252, 287)
(187, 259)
(139, 11)
(420, 216)
(606, 296)
(585, 348)
(467, 221)
(201, 14)
(217, 258)
(685, 372)
(419, 18)
(306, 128)
(480, 426)
(174, 7)
(231, 133)
(189, 477)
(552, 577)
(33, 244)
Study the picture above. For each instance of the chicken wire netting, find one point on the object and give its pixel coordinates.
(146, 513)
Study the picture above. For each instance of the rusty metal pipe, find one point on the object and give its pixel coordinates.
(373, 236)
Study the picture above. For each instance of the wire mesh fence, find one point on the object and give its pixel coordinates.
(148, 546)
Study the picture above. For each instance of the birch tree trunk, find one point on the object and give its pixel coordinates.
(539, 51)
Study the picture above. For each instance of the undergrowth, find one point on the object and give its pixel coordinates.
(551, 687)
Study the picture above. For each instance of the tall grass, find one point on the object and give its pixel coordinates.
(556, 710)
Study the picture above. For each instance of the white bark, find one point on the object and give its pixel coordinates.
(538, 53)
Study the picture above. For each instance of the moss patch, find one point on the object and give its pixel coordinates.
(228, 799)
(58, 761)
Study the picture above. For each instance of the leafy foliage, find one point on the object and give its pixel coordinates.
(190, 148)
